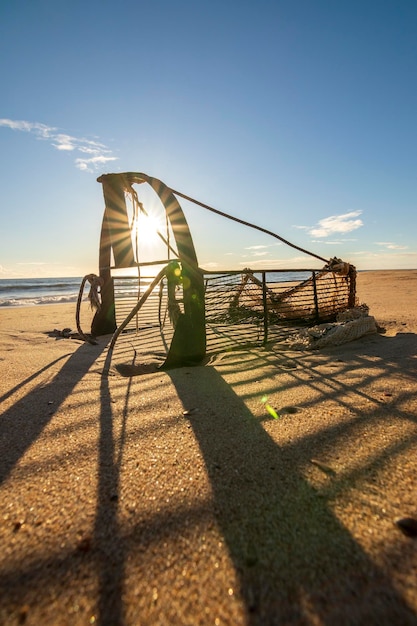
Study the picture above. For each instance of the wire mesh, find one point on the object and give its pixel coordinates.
(241, 308)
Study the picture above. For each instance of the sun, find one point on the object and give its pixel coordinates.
(151, 233)
(147, 227)
(148, 233)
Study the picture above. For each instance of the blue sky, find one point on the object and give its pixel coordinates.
(298, 115)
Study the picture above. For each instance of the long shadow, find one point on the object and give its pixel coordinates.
(295, 562)
(335, 384)
(29, 379)
(107, 537)
(24, 421)
(291, 554)
(20, 426)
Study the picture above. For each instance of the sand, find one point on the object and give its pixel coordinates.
(177, 498)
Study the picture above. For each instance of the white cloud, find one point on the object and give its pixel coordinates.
(329, 243)
(336, 224)
(63, 142)
(29, 127)
(390, 246)
(291, 263)
(63, 146)
(264, 246)
(83, 164)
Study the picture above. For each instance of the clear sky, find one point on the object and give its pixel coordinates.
(298, 115)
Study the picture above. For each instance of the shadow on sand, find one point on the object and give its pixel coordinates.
(295, 562)
(24, 421)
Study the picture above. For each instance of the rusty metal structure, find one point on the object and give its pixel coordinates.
(189, 341)
(192, 302)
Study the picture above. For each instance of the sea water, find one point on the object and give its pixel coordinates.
(32, 291)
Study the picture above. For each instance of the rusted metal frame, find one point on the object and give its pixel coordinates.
(316, 300)
(189, 341)
(249, 224)
(265, 308)
(352, 286)
(115, 236)
(137, 307)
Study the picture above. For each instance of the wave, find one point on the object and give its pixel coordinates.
(64, 299)
(35, 291)
(45, 284)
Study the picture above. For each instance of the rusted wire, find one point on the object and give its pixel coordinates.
(244, 223)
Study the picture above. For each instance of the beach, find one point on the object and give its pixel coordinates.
(264, 487)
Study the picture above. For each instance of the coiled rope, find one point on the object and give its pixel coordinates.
(95, 302)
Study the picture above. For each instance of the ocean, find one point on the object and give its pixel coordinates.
(33, 291)
(30, 291)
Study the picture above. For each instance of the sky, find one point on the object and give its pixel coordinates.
(296, 115)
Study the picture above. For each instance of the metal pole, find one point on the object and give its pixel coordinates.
(265, 305)
(316, 300)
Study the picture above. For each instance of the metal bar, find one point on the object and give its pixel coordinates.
(265, 306)
(316, 300)
(136, 308)
(141, 264)
(259, 271)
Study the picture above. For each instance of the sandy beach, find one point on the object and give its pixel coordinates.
(177, 498)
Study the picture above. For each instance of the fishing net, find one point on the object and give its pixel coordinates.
(350, 325)
(318, 298)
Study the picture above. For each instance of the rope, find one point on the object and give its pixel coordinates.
(240, 221)
(336, 334)
(94, 298)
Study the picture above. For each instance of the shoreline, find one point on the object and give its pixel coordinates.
(376, 295)
(75, 295)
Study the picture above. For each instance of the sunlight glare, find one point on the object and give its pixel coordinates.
(147, 227)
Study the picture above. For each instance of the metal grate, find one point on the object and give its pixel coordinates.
(305, 296)
(242, 308)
